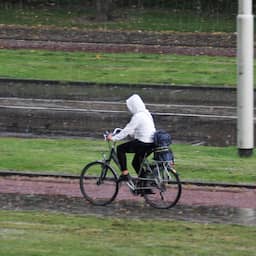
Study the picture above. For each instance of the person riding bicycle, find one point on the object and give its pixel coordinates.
(142, 128)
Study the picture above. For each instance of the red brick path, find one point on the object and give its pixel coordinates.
(191, 195)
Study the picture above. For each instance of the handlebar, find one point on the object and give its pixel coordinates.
(115, 131)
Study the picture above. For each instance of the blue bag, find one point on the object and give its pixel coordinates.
(162, 140)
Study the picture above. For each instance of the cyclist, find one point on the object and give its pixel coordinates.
(141, 128)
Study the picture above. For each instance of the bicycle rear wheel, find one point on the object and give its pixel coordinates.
(166, 192)
(98, 183)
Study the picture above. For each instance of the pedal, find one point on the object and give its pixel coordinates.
(131, 185)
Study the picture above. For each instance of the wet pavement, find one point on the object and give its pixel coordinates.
(203, 205)
(128, 209)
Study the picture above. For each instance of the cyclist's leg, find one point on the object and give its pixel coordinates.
(136, 162)
(122, 149)
(121, 155)
(142, 150)
(133, 146)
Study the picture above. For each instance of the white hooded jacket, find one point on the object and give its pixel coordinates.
(141, 125)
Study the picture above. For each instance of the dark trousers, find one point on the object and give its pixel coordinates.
(133, 146)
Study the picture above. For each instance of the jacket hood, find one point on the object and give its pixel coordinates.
(135, 104)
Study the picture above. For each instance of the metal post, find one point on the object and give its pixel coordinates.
(245, 90)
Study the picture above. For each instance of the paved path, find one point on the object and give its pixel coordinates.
(198, 204)
(191, 195)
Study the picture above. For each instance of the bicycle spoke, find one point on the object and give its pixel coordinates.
(98, 183)
(166, 193)
(161, 195)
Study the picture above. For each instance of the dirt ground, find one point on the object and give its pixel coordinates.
(22, 37)
(116, 48)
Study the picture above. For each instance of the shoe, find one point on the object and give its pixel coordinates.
(125, 177)
(128, 179)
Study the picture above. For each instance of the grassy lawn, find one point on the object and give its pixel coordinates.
(125, 19)
(118, 68)
(200, 163)
(33, 233)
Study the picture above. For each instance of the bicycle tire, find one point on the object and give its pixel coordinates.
(166, 194)
(99, 183)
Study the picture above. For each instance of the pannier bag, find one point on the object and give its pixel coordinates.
(162, 141)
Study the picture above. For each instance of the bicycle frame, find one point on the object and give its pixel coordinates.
(112, 155)
(159, 170)
(153, 180)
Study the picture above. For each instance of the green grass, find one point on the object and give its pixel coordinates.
(214, 164)
(42, 234)
(125, 19)
(201, 163)
(59, 155)
(118, 68)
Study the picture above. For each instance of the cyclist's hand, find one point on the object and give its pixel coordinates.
(109, 137)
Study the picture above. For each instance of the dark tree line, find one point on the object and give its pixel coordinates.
(104, 8)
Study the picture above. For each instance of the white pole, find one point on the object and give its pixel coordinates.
(245, 102)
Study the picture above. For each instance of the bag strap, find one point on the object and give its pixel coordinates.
(161, 149)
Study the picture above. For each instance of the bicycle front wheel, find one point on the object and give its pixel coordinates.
(99, 183)
(165, 192)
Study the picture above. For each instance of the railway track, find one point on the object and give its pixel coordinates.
(226, 112)
(92, 118)
(88, 109)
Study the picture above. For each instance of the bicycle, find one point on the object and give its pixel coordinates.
(99, 182)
